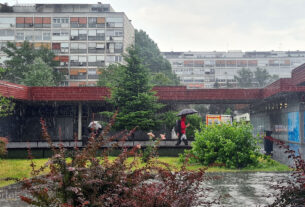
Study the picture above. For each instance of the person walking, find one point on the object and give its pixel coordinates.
(181, 132)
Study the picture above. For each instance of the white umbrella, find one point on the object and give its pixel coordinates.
(95, 125)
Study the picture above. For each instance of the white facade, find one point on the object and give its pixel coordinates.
(203, 69)
(84, 37)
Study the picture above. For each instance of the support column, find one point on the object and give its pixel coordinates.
(79, 133)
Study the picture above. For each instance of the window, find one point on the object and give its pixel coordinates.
(37, 35)
(7, 22)
(46, 35)
(78, 22)
(114, 22)
(28, 35)
(118, 47)
(60, 22)
(78, 48)
(60, 34)
(78, 61)
(94, 47)
(20, 36)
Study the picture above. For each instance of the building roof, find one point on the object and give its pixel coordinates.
(165, 93)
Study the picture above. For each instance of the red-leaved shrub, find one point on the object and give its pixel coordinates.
(91, 179)
(291, 192)
(3, 144)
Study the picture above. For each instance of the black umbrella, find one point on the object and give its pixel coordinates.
(187, 111)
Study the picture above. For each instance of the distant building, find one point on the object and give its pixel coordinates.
(208, 69)
(84, 37)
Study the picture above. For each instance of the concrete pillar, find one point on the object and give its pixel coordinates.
(79, 133)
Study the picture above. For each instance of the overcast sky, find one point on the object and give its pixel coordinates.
(208, 25)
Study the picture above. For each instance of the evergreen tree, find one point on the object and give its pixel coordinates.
(132, 95)
(148, 51)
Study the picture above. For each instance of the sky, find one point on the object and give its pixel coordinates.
(212, 25)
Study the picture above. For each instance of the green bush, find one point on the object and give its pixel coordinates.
(168, 119)
(195, 122)
(231, 145)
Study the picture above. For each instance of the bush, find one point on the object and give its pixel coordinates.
(3, 143)
(291, 193)
(88, 180)
(195, 122)
(230, 145)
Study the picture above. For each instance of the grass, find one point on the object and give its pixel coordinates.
(20, 168)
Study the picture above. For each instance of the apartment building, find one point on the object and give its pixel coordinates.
(204, 69)
(84, 37)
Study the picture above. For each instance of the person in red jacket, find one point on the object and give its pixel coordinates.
(181, 134)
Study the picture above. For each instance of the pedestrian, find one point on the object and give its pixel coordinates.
(95, 128)
(181, 132)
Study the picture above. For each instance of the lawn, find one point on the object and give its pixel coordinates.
(20, 168)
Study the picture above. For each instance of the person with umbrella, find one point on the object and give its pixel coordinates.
(181, 132)
(95, 127)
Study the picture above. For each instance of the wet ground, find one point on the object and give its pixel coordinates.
(236, 189)
(244, 189)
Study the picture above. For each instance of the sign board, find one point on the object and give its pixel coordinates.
(218, 119)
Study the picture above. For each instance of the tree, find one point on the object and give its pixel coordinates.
(21, 59)
(109, 76)
(244, 78)
(261, 76)
(160, 79)
(132, 95)
(273, 78)
(148, 50)
(39, 75)
(6, 106)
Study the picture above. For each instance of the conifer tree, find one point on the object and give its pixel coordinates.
(132, 95)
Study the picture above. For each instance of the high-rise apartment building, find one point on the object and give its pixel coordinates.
(204, 69)
(84, 37)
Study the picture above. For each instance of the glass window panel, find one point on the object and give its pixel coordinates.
(91, 58)
(113, 19)
(74, 45)
(82, 31)
(91, 44)
(82, 58)
(65, 44)
(92, 32)
(100, 58)
(82, 46)
(74, 32)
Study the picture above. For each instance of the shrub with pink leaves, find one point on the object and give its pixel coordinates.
(92, 179)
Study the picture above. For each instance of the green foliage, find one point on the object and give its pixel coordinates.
(110, 76)
(244, 78)
(151, 150)
(168, 119)
(132, 95)
(21, 60)
(6, 106)
(231, 145)
(261, 76)
(194, 120)
(39, 75)
(149, 52)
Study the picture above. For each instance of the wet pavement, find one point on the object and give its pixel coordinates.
(244, 189)
(236, 189)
